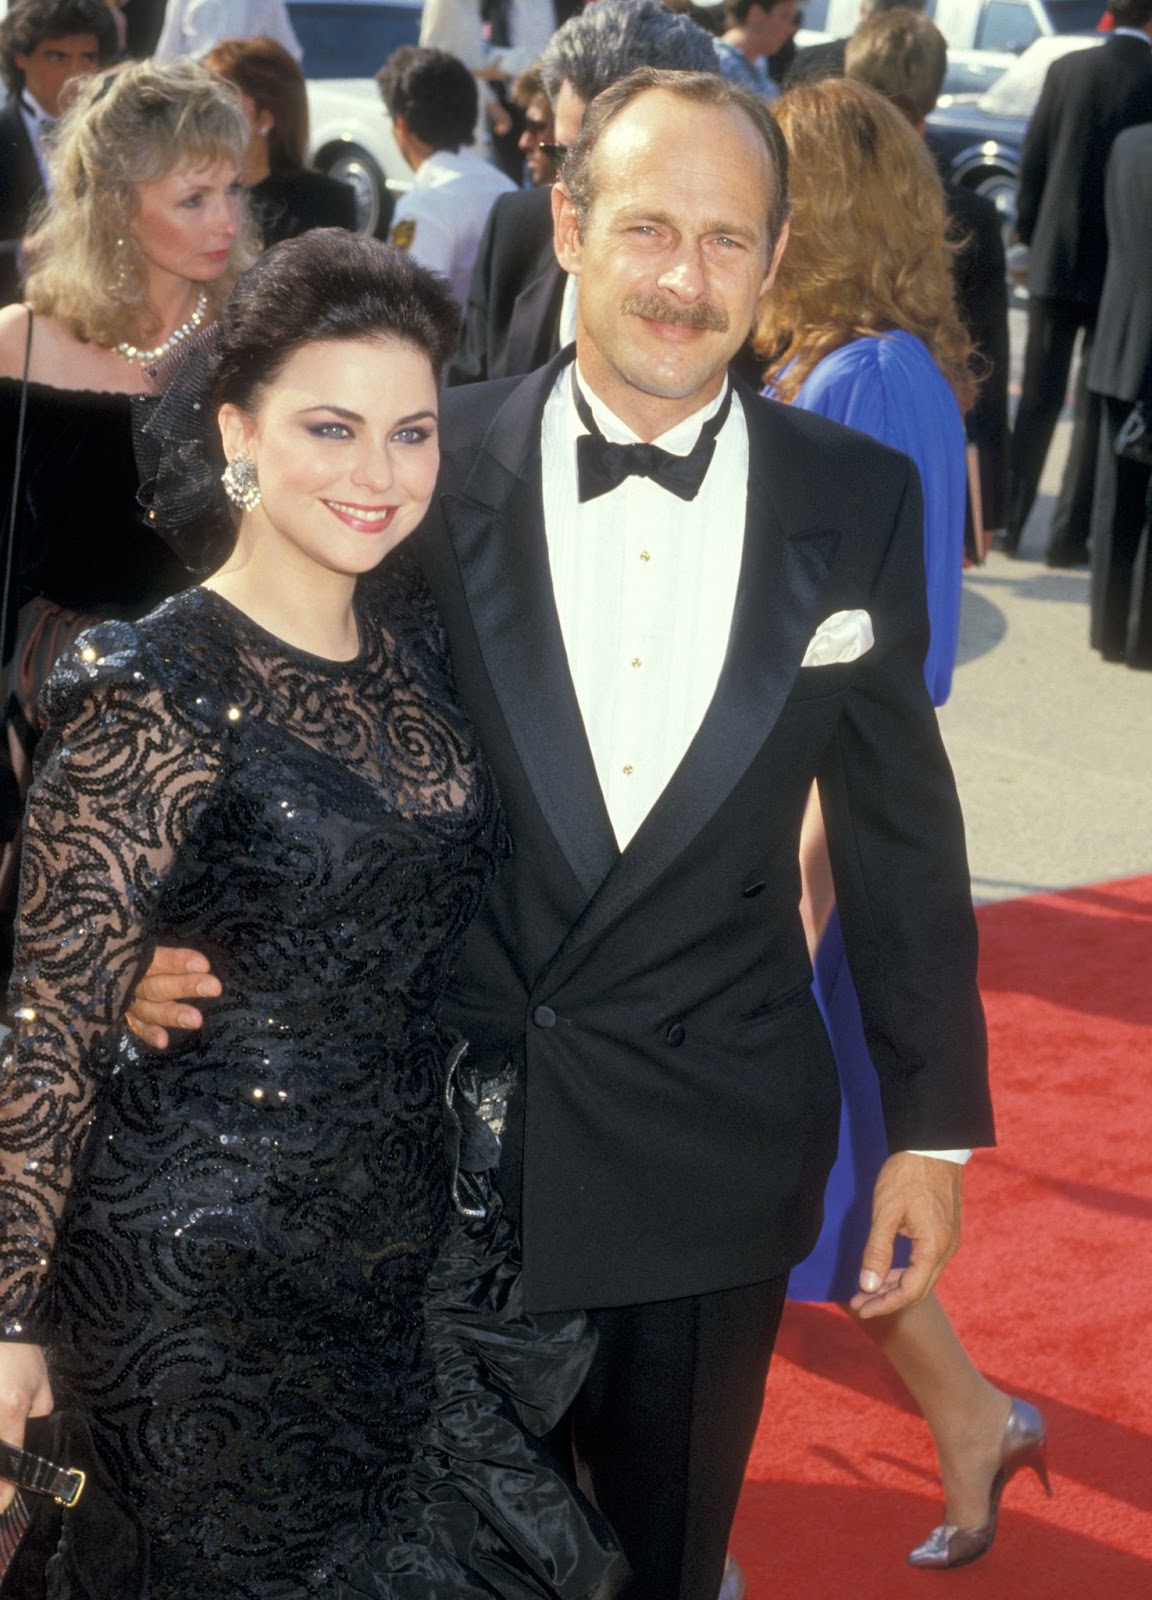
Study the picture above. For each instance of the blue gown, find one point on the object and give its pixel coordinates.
(890, 387)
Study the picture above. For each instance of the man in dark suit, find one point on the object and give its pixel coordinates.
(1120, 373)
(1088, 98)
(516, 301)
(662, 645)
(44, 44)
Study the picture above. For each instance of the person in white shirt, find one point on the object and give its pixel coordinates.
(192, 27)
(432, 98)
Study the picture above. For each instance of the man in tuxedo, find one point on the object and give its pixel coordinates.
(44, 44)
(1120, 374)
(518, 314)
(1088, 98)
(672, 606)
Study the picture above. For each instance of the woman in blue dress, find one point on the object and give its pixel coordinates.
(861, 326)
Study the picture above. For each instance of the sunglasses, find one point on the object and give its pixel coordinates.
(534, 127)
(554, 152)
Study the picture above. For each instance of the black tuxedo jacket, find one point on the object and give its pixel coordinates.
(21, 188)
(1121, 364)
(512, 320)
(681, 1096)
(1088, 98)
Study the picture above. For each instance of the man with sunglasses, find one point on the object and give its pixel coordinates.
(535, 141)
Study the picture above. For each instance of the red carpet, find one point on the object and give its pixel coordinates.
(1051, 1292)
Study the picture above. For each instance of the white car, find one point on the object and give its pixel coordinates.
(346, 42)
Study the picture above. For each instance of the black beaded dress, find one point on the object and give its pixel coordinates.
(308, 1372)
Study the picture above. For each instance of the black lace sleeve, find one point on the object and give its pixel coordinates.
(121, 772)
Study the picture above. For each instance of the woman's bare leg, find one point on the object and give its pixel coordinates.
(965, 1412)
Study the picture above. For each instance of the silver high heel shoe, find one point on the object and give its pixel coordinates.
(1025, 1444)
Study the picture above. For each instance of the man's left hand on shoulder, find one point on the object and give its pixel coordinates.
(918, 1196)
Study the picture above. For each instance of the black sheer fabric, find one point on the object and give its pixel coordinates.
(227, 1248)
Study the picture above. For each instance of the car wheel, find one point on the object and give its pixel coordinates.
(354, 166)
(1001, 188)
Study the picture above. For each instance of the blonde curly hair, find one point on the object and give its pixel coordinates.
(868, 251)
(125, 128)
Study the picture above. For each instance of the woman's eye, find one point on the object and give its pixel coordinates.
(191, 201)
(329, 430)
(413, 435)
(236, 187)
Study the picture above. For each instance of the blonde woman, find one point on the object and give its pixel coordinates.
(861, 326)
(146, 235)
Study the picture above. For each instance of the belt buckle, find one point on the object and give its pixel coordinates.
(80, 1479)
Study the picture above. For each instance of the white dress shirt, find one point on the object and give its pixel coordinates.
(645, 587)
(192, 27)
(441, 217)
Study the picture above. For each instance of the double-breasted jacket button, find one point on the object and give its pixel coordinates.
(544, 1017)
(676, 1034)
(754, 887)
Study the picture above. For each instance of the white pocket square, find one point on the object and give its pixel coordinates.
(844, 636)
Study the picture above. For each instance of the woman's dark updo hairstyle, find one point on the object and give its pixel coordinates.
(327, 284)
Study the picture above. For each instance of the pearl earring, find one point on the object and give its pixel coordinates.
(240, 485)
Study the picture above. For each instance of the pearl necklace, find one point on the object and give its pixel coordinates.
(177, 336)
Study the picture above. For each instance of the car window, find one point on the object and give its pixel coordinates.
(1074, 16)
(814, 15)
(1006, 25)
(348, 40)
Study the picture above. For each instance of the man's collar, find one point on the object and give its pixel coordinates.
(32, 107)
(1130, 33)
(679, 439)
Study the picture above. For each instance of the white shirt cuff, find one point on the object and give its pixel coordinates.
(959, 1156)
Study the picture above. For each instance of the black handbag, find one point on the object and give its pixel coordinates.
(70, 1533)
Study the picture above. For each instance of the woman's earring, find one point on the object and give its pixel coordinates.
(120, 276)
(240, 485)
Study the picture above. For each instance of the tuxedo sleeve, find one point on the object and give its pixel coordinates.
(896, 844)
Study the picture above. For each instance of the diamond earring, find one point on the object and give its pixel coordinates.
(240, 485)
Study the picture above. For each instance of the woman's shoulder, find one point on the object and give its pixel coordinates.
(14, 324)
(168, 658)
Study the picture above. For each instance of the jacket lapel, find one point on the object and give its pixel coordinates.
(496, 526)
(778, 607)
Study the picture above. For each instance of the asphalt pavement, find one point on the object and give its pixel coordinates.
(1052, 747)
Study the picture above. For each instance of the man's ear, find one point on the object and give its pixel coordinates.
(565, 230)
(777, 254)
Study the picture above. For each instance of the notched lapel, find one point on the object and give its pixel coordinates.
(779, 604)
(496, 526)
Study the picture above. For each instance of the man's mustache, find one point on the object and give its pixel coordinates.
(701, 314)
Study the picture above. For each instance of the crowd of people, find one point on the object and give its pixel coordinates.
(478, 945)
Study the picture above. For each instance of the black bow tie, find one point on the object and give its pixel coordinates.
(602, 465)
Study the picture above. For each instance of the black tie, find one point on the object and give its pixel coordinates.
(602, 465)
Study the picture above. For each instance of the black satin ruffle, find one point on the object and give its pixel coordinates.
(487, 1512)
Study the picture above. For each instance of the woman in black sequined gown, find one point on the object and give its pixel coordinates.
(240, 1256)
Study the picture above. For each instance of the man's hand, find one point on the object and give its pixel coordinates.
(24, 1392)
(918, 1196)
(173, 977)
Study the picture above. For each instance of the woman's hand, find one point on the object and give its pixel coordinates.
(24, 1392)
(173, 976)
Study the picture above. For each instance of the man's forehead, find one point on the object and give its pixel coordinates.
(660, 138)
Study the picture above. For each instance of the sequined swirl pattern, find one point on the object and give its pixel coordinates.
(225, 1246)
